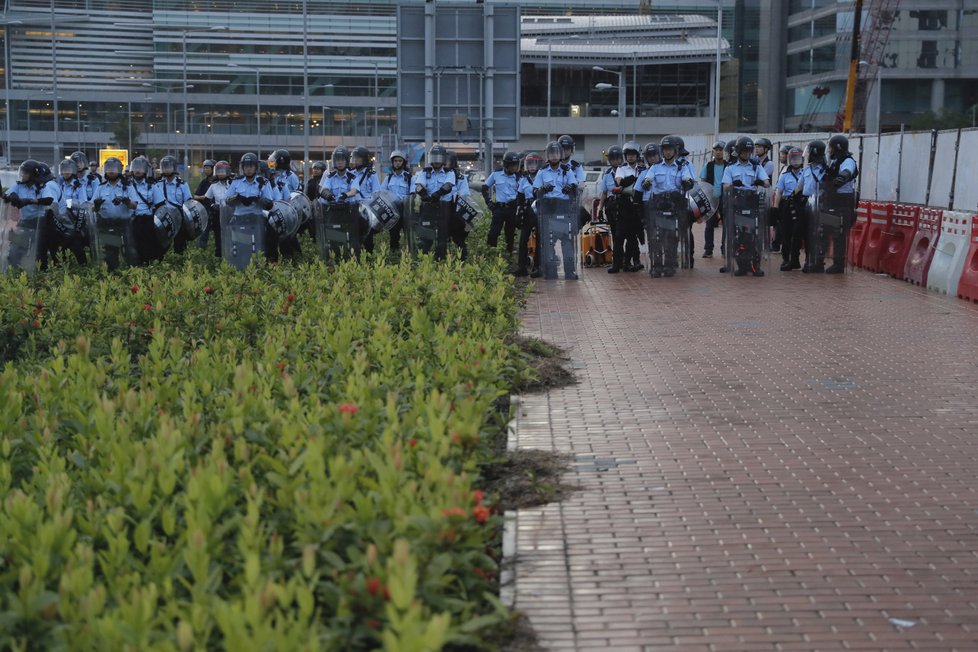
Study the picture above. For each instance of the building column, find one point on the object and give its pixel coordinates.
(937, 95)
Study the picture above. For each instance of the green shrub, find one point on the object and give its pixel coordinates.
(281, 459)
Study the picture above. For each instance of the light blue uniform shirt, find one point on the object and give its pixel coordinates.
(747, 173)
(814, 175)
(397, 183)
(717, 177)
(526, 188)
(461, 186)
(90, 183)
(433, 180)
(607, 182)
(108, 191)
(339, 183)
(506, 185)
(789, 180)
(258, 188)
(32, 191)
(848, 165)
(73, 190)
(667, 177)
(562, 176)
(142, 194)
(286, 182)
(366, 183)
(578, 171)
(174, 192)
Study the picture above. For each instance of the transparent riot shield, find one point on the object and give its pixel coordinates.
(242, 236)
(744, 226)
(115, 241)
(427, 225)
(764, 199)
(559, 242)
(665, 216)
(20, 237)
(382, 211)
(702, 204)
(793, 223)
(339, 230)
(195, 218)
(833, 214)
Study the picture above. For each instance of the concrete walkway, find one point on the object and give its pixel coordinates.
(783, 463)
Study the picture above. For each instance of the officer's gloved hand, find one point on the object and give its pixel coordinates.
(98, 203)
(839, 181)
(247, 201)
(422, 192)
(570, 188)
(442, 191)
(326, 194)
(13, 198)
(267, 204)
(492, 205)
(616, 190)
(629, 180)
(687, 184)
(646, 183)
(737, 183)
(119, 200)
(76, 185)
(547, 188)
(758, 183)
(231, 200)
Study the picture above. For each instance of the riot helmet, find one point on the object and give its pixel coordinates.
(719, 145)
(222, 170)
(765, 143)
(67, 168)
(113, 168)
(838, 146)
(532, 162)
(248, 165)
(650, 153)
(631, 147)
(398, 154)
(451, 160)
(80, 160)
(29, 171)
(280, 160)
(168, 166)
(139, 167)
(511, 162)
(209, 163)
(673, 143)
(795, 157)
(731, 149)
(816, 152)
(554, 152)
(615, 155)
(566, 146)
(745, 145)
(360, 156)
(320, 166)
(340, 158)
(437, 156)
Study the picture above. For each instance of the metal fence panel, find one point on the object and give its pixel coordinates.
(941, 180)
(868, 167)
(966, 179)
(914, 167)
(887, 172)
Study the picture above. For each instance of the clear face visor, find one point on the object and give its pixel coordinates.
(67, 168)
(222, 171)
(532, 164)
(510, 166)
(26, 174)
(615, 159)
(554, 154)
(248, 169)
(139, 168)
(168, 166)
(436, 158)
(113, 168)
(667, 151)
(566, 151)
(795, 159)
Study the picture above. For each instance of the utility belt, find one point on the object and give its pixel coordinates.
(506, 205)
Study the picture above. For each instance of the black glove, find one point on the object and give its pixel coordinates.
(737, 183)
(231, 200)
(247, 201)
(77, 184)
(267, 204)
(547, 188)
(423, 193)
(687, 184)
(98, 202)
(14, 199)
(570, 188)
(492, 205)
(442, 191)
(839, 181)
(119, 200)
(758, 183)
(627, 181)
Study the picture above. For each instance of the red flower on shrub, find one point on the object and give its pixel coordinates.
(290, 298)
(412, 442)
(147, 306)
(478, 571)
(208, 290)
(38, 311)
(478, 496)
(481, 514)
(448, 536)
(36, 324)
(453, 511)
(373, 585)
(348, 408)
(456, 438)
(134, 289)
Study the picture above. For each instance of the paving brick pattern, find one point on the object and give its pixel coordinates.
(784, 463)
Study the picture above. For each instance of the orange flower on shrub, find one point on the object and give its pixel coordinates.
(481, 514)
(348, 408)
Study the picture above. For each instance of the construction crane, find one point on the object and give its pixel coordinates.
(868, 47)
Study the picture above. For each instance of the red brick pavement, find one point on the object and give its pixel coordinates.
(784, 463)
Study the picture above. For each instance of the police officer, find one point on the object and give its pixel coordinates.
(337, 186)
(435, 185)
(93, 169)
(712, 173)
(682, 159)
(398, 183)
(506, 182)
(556, 181)
(789, 199)
(142, 220)
(215, 198)
(172, 190)
(456, 225)
(366, 183)
(667, 180)
(762, 152)
(625, 239)
(838, 198)
(206, 178)
(813, 178)
(531, 166)
(250, 193)
(567, 158)
(114, 190)
(312, 185)
(783, 157)
(746, 174)
(284, 183)
(33, 195)
(86, 178)
(607, 200)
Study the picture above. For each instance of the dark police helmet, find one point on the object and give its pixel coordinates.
(437, 155)
(566, 145)
(615, 153)
(511, 158)
(838, 146)
(340, 154)
(554, 152)
(168, 165)
(816, 151)
(745, 143)
(80, 159)
(765, 143)
(360, 156)
(671, 141)
(248, 159)
(280, 159)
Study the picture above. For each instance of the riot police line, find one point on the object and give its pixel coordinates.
(648, 196)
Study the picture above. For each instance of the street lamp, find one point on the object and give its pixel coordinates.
(257, 97)
(621, 97)
(184, 32)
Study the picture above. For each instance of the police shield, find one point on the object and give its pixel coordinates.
(283, 219)
(339, 230)
(832, 215)
(195, 218)
(382, 211)
(427, 225)
(167, 222)
(20, 236)
(745, 223)
(242, 236)
(302, 206)
(469, 211)
(666, 224)
(115, 239)
(559, 243)
(702, 204)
